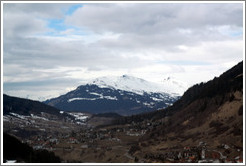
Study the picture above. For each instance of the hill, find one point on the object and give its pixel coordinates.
(208, 113)
(25, 118)
(26, 107)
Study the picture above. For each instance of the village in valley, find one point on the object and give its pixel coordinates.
(120, 143)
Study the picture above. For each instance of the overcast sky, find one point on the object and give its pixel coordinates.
(49, 49)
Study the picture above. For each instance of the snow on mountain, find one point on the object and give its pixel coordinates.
(174, 86)
(139, 86)
(125, 95)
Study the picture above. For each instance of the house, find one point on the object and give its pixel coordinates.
(72, 140)
(37, 147)
(53, 140)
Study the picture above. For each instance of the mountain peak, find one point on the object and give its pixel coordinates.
(139, 85)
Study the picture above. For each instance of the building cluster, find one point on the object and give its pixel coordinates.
(195, 154)
(89, 138)
(42, 142)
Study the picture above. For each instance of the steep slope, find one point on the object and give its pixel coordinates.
(209, 113)
(123, 95)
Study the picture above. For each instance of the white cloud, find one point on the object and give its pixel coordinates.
(193, 42)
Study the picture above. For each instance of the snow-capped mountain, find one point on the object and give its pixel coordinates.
(125, 95)
(140, 86)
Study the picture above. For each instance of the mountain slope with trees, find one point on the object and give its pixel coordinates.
(209, 112)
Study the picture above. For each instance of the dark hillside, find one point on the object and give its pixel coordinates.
(25, 106)
(13, 149)
(209, 112)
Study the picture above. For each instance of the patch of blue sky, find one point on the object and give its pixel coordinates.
(236, 33)
(184, 63)
(58, 26)
(232, 32)
(72, 9)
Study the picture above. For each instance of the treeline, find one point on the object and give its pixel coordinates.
(229, 81)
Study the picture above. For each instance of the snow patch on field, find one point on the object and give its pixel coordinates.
(38, 117)
(78, 116)
(19, 116)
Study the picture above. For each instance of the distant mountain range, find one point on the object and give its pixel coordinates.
(125, 95)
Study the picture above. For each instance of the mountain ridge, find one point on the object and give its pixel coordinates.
(139, 85)
(121, 96)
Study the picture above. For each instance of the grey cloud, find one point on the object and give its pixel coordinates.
(22, 19)
(157, 25)
(155, 18)
(15, 24)
(35, 53)
(43, 10)
(144, 31)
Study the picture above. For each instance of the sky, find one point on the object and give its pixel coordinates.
(51, 48)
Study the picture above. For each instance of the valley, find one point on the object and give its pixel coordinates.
(205, 125)
(122, 83)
